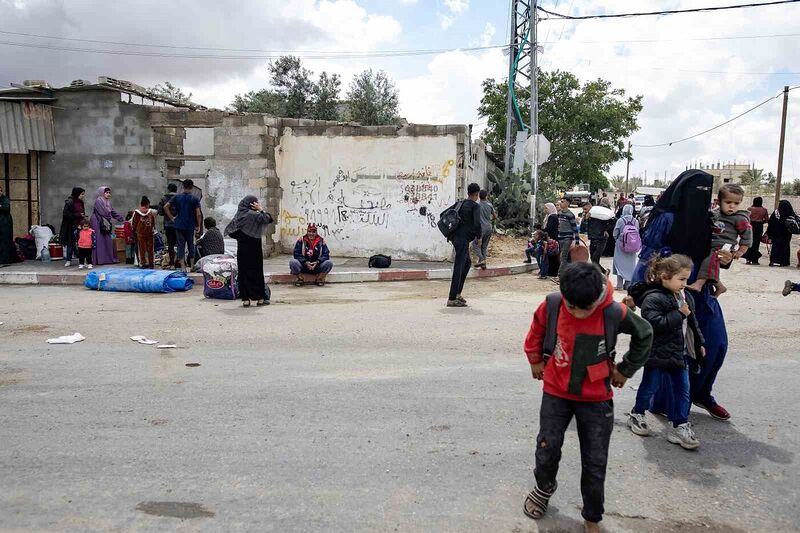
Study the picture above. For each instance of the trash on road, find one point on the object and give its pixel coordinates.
(67, 339)
(141, 339)
(166, 346)
(192, 364)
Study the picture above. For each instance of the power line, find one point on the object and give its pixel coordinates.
(722, 38)
(670, 143)
(273, 55)
(554, 16)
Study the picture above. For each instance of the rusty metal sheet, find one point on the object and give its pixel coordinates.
(26, 126)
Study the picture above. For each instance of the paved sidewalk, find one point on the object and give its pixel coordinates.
(276, 269)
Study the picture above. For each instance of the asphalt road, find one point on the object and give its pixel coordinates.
(361, 408)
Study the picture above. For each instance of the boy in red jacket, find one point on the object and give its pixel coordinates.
(576, 362)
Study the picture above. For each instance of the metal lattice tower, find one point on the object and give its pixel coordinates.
(520, 63)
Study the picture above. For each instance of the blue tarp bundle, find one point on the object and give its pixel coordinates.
(137, 280)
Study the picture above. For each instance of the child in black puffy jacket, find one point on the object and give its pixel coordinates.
(676, 339)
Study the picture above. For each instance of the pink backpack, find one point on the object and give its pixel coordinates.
(630, 239)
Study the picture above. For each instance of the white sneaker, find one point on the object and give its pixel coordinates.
(80, 267)
(68, 264)
(638, 424)
(90, 267)
(683, 435)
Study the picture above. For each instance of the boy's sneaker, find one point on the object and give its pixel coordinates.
(683, 435)
(69, 264)
(90, 266)
(456, 303)
(787, 287)
(80, 267)
(638, 424)
(715, 410)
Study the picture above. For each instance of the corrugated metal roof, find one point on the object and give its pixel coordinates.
(25, 126)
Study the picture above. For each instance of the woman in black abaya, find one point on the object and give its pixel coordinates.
(247, 227)
(779, 234)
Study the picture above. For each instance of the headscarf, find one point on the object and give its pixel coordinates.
(758, 202)
(99, 197)
(785, 209)
(649, 201)
(76, 192)
(249, 222)
(550, 208)
(605, 202)
(688, 197)
(627, 211)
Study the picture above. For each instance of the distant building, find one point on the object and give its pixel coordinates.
(726, 172)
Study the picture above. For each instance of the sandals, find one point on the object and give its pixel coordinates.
(261, 303)
(246, 303)
(538, 501)
(298, 283)
(319, 283)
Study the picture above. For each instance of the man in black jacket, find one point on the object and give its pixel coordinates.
(469, 229)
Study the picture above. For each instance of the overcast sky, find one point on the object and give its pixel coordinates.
(690, 81)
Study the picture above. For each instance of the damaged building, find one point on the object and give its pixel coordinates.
(370, 189)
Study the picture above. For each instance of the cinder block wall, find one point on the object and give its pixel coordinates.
(100, 141)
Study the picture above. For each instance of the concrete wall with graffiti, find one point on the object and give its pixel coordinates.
(369, 194)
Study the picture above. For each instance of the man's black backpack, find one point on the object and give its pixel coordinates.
(449, 220)
(380, 261)
(612, 316)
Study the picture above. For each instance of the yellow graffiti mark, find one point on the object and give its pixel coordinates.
(289, 218)
(446, 168)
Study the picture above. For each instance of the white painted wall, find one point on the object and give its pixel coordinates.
(368, 194)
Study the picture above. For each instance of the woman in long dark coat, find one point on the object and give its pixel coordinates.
(247, 227)
(551, 228)
(779, 234)
(8, 253)
(758, 217)
(71, 217)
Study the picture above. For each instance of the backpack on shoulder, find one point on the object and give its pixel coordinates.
(612, 316)
(380, 261)
(449, 220)
(630, 238)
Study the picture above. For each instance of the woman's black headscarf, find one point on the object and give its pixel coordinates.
(689, 198)
(649, 201)
(249, 222)
(76, 191)
(785, 209)
(758, 202)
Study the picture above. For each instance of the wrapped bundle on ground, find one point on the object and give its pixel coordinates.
(137, 280)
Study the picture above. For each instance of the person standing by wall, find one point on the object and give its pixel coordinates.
(188, 220)
(567, 233)
(100, 222)
(481, 245)
(247, 227)
(468, 230)
(758, 217)
(144, 226)
(8, 252)
(71, 217)
(169, 225)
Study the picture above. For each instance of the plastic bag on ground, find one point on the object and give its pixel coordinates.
(137, 280)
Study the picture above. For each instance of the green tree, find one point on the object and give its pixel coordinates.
(326, 97)
(587, 124)
(790, 188)
(168, 90)
(373, 99)
(293, 93)
(752, 178)
(618, 182)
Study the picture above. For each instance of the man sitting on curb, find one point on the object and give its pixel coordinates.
(311, 256)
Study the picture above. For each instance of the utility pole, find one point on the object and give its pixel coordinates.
(628, 169)
(534, 110)
(510, 117)
(780, 146)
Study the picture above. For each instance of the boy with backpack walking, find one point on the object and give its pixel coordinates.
(461, 224)
(571, 347)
